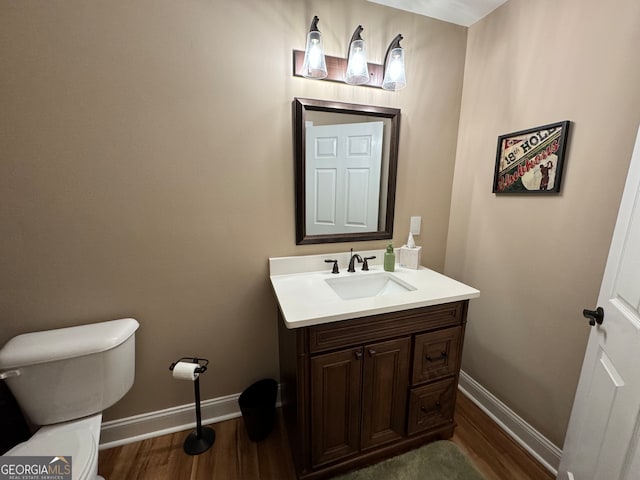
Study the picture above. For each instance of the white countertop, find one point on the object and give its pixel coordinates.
(306, 299)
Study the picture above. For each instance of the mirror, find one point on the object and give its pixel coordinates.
(346, 159)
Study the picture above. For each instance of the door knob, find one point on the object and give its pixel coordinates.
(594, 316)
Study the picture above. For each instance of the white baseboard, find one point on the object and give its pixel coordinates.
(175, 419)
(540, 447)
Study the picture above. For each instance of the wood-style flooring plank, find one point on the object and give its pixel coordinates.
(492, 451)
(235, 457)
(275, 457)
(159, 457)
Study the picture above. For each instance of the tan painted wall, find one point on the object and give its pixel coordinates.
(147, 168)
(539, 261)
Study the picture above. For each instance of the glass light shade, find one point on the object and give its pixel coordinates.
(394, 75)
(357, 68)
(314, 65)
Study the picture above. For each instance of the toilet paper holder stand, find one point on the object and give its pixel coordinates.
(200, 440)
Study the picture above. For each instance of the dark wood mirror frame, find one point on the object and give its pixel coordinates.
(303, 105)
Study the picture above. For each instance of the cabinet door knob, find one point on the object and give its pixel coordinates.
(372, 352)
(358, 355)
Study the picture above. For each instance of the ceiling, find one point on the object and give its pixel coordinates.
(461, 12)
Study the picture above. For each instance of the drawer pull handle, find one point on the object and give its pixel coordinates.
(442, 356)
(425, 410)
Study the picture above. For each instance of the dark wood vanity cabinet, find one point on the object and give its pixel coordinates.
(357, 391)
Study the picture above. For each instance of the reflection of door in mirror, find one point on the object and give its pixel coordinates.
(343, 173)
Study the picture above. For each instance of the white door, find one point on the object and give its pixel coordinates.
(343, 177)
(604, 430)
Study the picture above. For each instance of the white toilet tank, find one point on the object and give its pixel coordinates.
(69, 373)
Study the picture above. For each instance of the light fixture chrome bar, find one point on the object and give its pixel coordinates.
(354, 70)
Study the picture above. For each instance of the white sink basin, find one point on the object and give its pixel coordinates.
(368, 285)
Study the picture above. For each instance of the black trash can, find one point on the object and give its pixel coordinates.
(258, 407)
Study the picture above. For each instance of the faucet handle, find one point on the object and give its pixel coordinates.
(335, 265)
(365, 266)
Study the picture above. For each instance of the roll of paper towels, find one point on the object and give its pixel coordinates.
(185, 371)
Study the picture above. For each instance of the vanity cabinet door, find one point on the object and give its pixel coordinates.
(336, 385)
(386, 379)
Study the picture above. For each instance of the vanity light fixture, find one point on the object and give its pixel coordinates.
(314, 65)
(357, 70)
(394, 74)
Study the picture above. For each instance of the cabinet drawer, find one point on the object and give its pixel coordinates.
(384, 326)
(432, 405)
(436, 354)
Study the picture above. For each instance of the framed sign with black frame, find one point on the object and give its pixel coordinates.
(531, 161)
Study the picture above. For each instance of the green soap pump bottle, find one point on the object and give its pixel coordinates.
(389, 259)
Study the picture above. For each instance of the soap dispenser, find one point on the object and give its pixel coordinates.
(389, 259)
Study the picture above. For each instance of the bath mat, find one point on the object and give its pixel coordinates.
(441, 460)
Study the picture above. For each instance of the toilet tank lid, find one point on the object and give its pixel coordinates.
(64, 343)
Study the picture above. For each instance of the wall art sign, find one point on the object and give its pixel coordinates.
(531, 161)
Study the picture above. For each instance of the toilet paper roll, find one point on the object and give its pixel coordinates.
(185, 371)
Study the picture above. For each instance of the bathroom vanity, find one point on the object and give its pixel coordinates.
(370, 376)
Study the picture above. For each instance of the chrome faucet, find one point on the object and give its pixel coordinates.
(354, 256)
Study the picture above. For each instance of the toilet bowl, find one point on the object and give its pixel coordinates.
(63, 379)
(77, 439)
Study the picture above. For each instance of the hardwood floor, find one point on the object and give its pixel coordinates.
(491, 450)
(234, 457)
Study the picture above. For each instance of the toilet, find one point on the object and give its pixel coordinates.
(63, 379)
